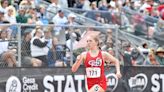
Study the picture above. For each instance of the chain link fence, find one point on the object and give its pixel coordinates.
(58, 46)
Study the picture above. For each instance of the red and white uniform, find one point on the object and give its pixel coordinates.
(95, 71)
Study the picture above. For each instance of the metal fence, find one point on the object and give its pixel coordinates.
(58, 45)
(117, 32)
(133, 22)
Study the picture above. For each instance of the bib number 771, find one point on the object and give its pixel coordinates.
(93, 72)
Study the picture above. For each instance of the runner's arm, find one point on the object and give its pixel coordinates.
(109, 58)
(78, 62)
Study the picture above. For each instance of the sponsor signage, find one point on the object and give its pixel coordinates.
(138, 79)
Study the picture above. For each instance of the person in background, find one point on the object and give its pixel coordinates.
(72, 41)
(4, 5)
(152, 58)
(27, 60)
(160, 55)
(21, 18)
(10, 15)
(56, 54)
(39, 47)
(42, 14)
(6, 55)
(52, 9)
(59, 19)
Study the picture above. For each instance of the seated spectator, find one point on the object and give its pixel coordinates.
(6, 55)
(42, 15)
(59, 19)
(160, 55)
(56, 54)
(127, 58)
(4, 4)
(48, 36)
(10, 15)
(31, 15)
(27, 60)
(80, 4)
(144, 49)
(52, 9)
(11, 18)
(152, 58)
(71, 19)
(92, 13)
(21, 18)
(39, 47)
(72, 41)
(138, 58)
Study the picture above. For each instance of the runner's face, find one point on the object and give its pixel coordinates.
(91, 42)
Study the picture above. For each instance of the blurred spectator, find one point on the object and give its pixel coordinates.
(160, 55)
(107, 16)
(127, 58)
(21, 18)
(93, 10)
(72, 42)
(39, 47)
(59, 19)
(4, 5)
(78, 33)
(63, 3)
(27, 60)
(6, 55)
(103, 5)
(152, 57)
(147, 4)
(138, 58)
(159, 27)
(10, 15)
(42, 14)
(56, 54)
(31, 15)
(48, 36)
(82, 4)
(109, 40)
(140, 28)
(71, 3)
(52, 9)
(86, 5)
(144, 49)
(71, 19)
(99, 18)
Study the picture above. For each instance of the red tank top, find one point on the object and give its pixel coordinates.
(95, 70)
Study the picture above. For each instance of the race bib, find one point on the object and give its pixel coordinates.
(93, 72)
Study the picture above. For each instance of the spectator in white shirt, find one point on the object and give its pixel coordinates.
(72, 41)
(59, 20)
(39, 47)
(9, 15)
(52, 9)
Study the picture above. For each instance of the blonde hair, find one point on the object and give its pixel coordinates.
(11, 8)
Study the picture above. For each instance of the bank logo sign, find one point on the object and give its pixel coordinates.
(27, 84)
(112, 82)
(13, 84)
(138, 82)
